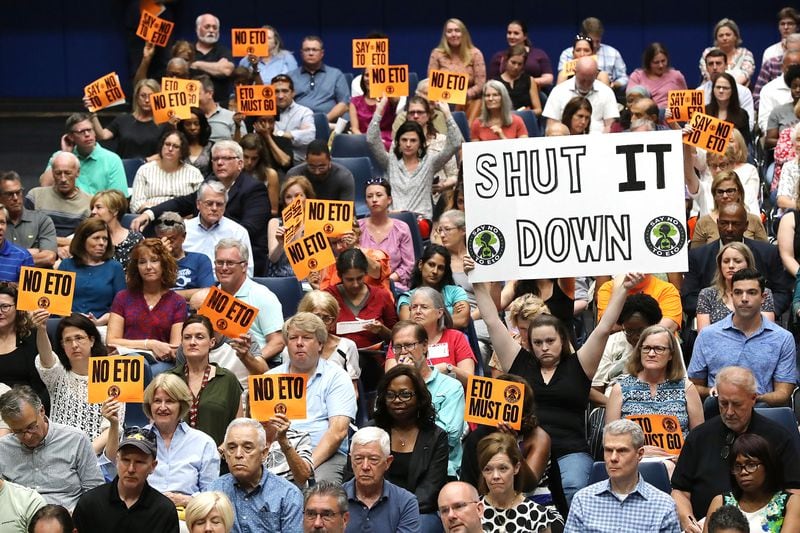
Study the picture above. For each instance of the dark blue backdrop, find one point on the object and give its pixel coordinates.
(52, 48)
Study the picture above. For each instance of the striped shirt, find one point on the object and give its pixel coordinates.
(66, 213)
(153, 185)
(276, 460)
(12, 259)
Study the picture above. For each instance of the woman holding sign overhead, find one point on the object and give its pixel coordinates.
(362, 108)
(560, 379)
(656, 75)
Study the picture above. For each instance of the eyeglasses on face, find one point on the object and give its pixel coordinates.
(400, 348)
(79, 339)
(659, 350)
(327, 515)
(227, 264)
(403, 395)
(749, 468)
(223, 158)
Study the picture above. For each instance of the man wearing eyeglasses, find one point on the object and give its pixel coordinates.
(376, 504)
(325, 508)
(702, 471)
(100, 169)
(55, 460)
(410, 346)
(12, 257)
(194, 269)
(318, 86)
(28, 229)
(128, 503)
(460, 508)
(296, 121)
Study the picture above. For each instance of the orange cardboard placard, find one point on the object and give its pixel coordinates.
(104, 92)
(370, 52)
(120, 376)
(292, 216)
(154, 29)
(492, 401)
(256, 100)
(246, 41)
(709, 133)
(229, 316)
(42, 288)
(310, 253)
(150, 6)
(569, 66)
(331, 217)
(277, 393)
(684, 104)
(662, 431)
(388, 80)
(169, 104)
(446, 86)
(179, 85)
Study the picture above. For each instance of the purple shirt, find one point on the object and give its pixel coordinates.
(538, 63)
(398, 247)
(143, 323)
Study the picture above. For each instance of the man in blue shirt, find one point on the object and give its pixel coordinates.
(374, 503)
(12, 257)
(320, 87)
(625, 501)
(261, 500)
(194, 269)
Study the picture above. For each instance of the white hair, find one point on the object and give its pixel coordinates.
(69, 155)
(623, 426)
(248, 423)
(228, 145)
(233, 243)
(369, 435)
(215, 186)
(200, 18)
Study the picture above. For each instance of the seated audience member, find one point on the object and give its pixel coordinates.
(278, 153)
(325, 508)
(210, 226)
(732, 223)
(51, 519)
(362, 108)
(460, 508)
(55, 459)
(147, 316)
(269, 502)
(664, 293)
(98, 278)
(702, 471)
(278, 265)
(32, 230)
(319, 87)
(13, 257)
(657, 75)
(198, 136)
(448, 349)
(128, 502)
(210, 57)
(373, 501)
(279, 61)
(208, 511)
(66, 374)
(518, 315)
(229, 265)
(727, 519)
(716, 62)
(331, 404)
(452, 231)
(788, 20)
(167, 177)
(757, 487)
(194, 269)
(743, 338)
(96, 169)
(609, 59)
(434, 270)
(599, 507)
(259, 163)
(331, 181)
(577, 117)
(725, 105)
(220, 120)
(521, 86)
(787, 193)
(777, 91)
(447, 396)
(740, 62)
(338, 350)
(781, 118)
(716, 302)
(583, 46)
(357, 300)
(289, 451)
(214, 391)
(295, 122)
(639, 312)
(656, 364)
(110, 206)
(18, 506)
(496, 120)
(189, 457)
(505, 478)
(418, 445)
(585, 83)
(536, 64)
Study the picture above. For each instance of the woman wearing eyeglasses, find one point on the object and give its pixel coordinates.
(278, 265)
(496, 120)
(404, 409)
(757, 487)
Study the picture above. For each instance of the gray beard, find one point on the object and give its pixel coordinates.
(208, 40)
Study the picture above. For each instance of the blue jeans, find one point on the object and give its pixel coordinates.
(575, 469)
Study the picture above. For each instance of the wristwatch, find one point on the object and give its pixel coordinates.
(449, 368)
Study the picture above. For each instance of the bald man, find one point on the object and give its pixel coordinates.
(585, 84)
(460, 508)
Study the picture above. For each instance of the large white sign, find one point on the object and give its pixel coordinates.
(579, 205)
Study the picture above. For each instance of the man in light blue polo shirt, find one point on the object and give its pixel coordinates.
(100, 169)
(318, 86)
(745, 338)
(12, 257)
(330, 397)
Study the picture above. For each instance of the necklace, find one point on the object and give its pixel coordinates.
(402, 438)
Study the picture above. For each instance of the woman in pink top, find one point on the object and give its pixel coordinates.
(496, 120)
(656, 75)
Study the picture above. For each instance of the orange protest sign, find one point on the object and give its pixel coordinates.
(246, 41)
(445, 86)
(229, 316)
(256, 100)
(120, 376)
(662, 431)
(569, 66)
(709, 133)
(42, 288)
(388, 80)
(150, 6)
(684, 104)
(331, 217)
(166, 105)
(178, 85)
(277, 393)
(311, 252)
(154, 29)
(292, 216)
(492, 401)
(105, 92)
(370, 52)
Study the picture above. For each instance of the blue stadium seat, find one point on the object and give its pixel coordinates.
(416, 237)
(131, 166)
(350, 145)
(531, 122)
(654, 473)
(323, 129)
(783, 416)
(361, 167)
(288, 290)
(461, 119)
(413, 81)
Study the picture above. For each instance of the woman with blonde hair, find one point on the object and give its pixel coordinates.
(209, 511)
(110, 206)
(497, 120)
(739, 60)
(278, 265)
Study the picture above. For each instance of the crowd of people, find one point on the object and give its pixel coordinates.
(385, 445)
